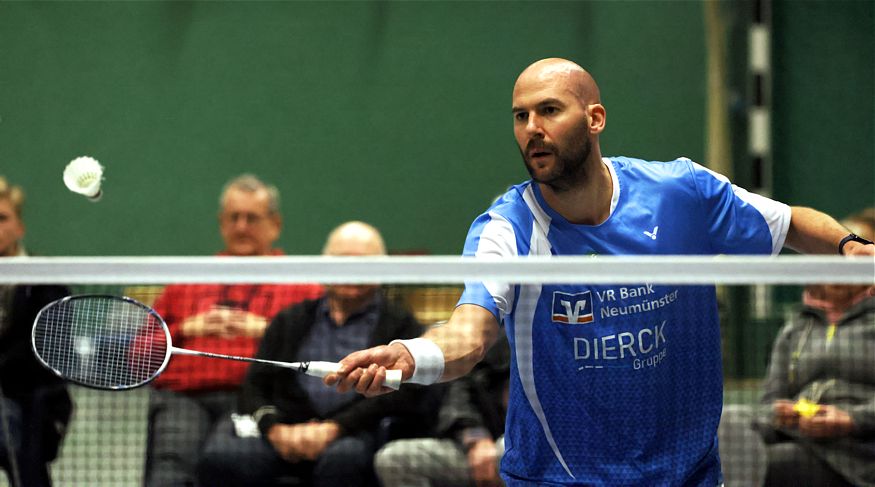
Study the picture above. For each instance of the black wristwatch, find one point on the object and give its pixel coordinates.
(854, 238)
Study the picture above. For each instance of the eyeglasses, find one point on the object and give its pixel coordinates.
(248, 218)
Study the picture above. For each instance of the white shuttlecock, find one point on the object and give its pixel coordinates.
(83, 175)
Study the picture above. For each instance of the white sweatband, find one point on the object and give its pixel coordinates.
(428, 360)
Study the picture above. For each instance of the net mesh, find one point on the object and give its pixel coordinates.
(113, 437)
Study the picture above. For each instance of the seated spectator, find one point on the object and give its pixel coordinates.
(307, 430)
(34, 402)
(820, 387)
(194, 392)
(468, 442)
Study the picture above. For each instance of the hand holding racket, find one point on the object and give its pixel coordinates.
(117, 343)
(371, 371)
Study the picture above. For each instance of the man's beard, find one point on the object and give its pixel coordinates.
(569, 170)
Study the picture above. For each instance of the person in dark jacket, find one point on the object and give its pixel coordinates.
(467, 444)
(818, 419)
(35, 407)
(305, 430)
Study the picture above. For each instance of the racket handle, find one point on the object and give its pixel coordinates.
(393, 379)
(321, 369)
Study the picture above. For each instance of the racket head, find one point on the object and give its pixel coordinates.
(102, 341)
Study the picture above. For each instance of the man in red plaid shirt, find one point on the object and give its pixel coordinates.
(193, 393)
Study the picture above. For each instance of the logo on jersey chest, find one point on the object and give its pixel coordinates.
(572, 308)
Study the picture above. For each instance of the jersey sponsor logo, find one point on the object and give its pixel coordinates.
(635, 349)
(652, 234)
(572, 308)
(648, 304)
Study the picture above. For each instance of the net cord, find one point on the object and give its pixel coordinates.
(789, 269)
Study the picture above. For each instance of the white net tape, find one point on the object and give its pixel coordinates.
(106, 443)
(438, 270)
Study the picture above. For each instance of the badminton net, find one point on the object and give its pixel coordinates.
(108, 437)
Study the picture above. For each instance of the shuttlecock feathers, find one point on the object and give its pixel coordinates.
(83, 175)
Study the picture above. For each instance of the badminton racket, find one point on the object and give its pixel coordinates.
(117, 343)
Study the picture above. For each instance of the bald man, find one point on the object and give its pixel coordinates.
(307, 430)
(616, 384)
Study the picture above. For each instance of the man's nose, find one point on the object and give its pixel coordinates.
(241, 222)
(533, 125)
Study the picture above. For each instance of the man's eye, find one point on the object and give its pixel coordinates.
(550, 110)
(521, 116)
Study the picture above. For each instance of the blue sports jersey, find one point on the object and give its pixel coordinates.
(619, 384)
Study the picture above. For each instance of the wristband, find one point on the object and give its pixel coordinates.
(854, 238)
(428, 360)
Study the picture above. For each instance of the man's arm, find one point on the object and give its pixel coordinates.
(813, 232)
(463, 341)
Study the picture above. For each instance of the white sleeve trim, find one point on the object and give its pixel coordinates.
(775, 213)
(498, 240)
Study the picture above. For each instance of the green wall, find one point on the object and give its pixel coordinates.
(824, 104)
(396, 113)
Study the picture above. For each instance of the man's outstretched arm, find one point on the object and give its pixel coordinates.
(442, 354)
(813, 232)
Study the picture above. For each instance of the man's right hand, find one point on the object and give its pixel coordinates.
(282, 438)
(483, 463)
(785, 414)
(365, 370)
(224, 322)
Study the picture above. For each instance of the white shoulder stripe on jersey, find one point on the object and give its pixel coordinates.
(776, 214)
(498, 240)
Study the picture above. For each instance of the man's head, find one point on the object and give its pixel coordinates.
(249, 217)
(558, 117)
(353, 239)
(11, 225)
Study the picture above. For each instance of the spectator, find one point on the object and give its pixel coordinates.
(34, 404)
(306, 430)
(194, 392)
(469, 438)
(820, 386)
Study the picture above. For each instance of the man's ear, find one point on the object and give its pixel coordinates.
(597, 118)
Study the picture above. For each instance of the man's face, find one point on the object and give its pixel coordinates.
(551, 129)
(352, 295)
(11, 229)
(246, 223)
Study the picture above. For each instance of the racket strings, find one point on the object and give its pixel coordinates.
(101, 342)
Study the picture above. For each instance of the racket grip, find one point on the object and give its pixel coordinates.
(393, 379)
(321, 369)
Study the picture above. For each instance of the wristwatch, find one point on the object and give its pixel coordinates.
(854, 238)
